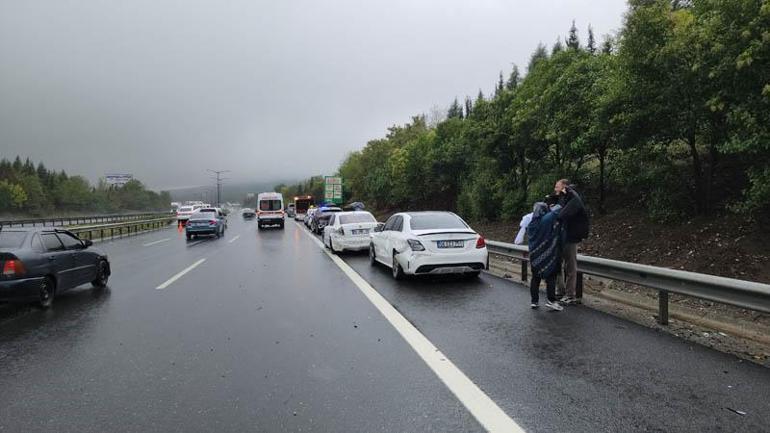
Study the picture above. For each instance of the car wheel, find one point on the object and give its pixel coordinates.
(101, 275)
(259, 226)
(372, 256)
(281, 227)
(398, 271)
(46, 293)
(472, 275)
(219, 233)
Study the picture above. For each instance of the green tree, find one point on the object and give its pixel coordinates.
(573, 41)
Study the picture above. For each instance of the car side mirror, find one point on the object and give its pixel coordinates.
(87, 243)
(380, 227)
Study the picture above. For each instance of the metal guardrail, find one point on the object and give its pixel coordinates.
(739, 293)
(77, 220)
(122, 228)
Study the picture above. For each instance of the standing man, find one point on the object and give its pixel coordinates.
(575, 217)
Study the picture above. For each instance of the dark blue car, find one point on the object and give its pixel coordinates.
(38, 263)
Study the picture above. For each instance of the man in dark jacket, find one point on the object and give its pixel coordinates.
(575, 218)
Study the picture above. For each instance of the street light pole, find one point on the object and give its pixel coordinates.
(219, 180)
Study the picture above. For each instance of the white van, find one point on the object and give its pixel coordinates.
(270, 210)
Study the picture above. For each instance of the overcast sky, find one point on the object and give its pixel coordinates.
(271, 90)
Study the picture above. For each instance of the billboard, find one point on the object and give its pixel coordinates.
(118, 179)
(333, 189)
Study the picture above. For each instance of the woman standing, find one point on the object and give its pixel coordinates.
(545, 244)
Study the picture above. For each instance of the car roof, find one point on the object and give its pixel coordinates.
(351, 212)
(269, 195)
(429, 212)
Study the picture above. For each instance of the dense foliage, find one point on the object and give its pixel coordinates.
(672, 115)
(36, 190)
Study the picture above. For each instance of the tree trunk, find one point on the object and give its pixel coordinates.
(697, 167)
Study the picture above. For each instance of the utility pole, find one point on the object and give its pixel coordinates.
(219, 179)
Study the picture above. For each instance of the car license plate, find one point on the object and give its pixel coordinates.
(450, 244)
(360, 232)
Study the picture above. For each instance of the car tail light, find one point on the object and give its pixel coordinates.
(480, 242)
(212, 222)
(13, 268)
(415, 245)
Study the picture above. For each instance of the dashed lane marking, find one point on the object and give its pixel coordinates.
(149, 244)
(479, 404)
(233, 239)
(180, 275)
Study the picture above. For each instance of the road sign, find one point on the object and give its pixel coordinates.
(333, 189)
(118, 179)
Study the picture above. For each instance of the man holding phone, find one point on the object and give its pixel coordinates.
(575, 218)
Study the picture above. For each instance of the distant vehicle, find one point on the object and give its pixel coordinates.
(270, 210)
(321, 217)
(184, 212)
(301, 206)
(207, 221)
(248, 213)
(349, 231)
(39, 263)
(356, 205)
(413, 243)
(290, 210)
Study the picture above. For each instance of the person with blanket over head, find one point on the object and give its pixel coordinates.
(545, 235)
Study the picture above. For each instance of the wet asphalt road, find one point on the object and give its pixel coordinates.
(267, 334)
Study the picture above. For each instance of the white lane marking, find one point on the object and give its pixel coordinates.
(483, 408)
(233, 239)
(179, 275)
(192, 244)
(149, 244)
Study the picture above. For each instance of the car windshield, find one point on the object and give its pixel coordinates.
(430, 221)
(204, 215)
(268, 205)
(363, 217)
(10, 239)
(185, 209)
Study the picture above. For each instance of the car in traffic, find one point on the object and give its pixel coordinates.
(421, 243)
(348, 231)
(207, 221)
(184, 212)
(321, 217)
(248, 213)
(270, 210)
(290, 212)
(39, 263)
(301, 205)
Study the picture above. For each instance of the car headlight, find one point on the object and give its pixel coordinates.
(415, 245)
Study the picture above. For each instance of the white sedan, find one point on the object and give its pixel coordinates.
(348, 231)
(418, 243)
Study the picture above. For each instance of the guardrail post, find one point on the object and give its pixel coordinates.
(524, 270)
(663, 307)
(579, 286)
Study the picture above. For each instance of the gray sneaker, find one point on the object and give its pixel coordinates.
(567, 300)
(553, 306)
(534, 305)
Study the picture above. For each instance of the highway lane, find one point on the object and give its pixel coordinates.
(264, 335)
(268, 334)
(579, 370)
